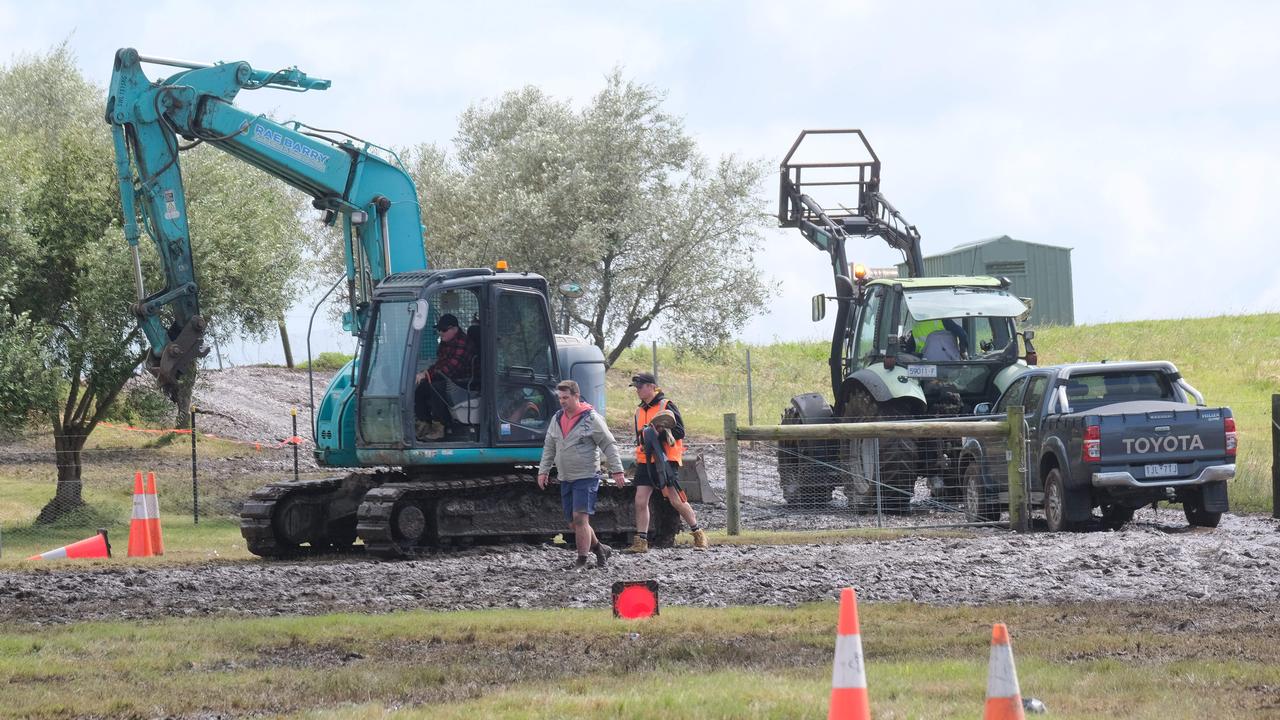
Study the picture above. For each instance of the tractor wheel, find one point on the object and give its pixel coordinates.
(804, 482)
(898, 458)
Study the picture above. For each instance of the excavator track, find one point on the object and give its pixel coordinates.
(296, 519)
(407, 518)
(396, 515)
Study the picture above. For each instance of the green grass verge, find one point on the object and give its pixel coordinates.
(1084, 661)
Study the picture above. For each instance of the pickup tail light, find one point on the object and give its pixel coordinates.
(1229, 426)
(1091, 452)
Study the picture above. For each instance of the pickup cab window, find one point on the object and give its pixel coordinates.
(1086, 392)
(1011, 396)
(1035, 396)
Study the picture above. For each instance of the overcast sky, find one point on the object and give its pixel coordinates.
(1142, 135)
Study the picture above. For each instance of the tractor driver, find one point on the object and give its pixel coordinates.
(433, 385)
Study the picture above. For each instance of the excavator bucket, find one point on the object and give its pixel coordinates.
(177, 356)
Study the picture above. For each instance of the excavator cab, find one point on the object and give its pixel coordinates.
(502, 397)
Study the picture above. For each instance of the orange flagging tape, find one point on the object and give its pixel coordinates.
(257, 444)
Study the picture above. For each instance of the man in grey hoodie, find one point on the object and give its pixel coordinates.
(576, 437)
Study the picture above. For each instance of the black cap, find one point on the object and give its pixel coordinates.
(642, 378)
(446, 320)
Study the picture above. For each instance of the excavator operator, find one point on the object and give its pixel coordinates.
(435, 385)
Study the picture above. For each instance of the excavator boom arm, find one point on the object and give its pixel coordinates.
(347, 178)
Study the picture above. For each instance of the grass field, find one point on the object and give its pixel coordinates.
(1233, 360)
(760, 662)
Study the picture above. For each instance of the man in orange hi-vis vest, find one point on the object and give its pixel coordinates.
(659, 453)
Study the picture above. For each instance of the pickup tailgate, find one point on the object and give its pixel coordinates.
(1165, 443)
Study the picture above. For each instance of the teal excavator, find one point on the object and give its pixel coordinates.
(402, 493)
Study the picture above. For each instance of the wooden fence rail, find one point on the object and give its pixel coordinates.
(1011, 429)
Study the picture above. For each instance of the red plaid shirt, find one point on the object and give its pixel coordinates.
(452, 359)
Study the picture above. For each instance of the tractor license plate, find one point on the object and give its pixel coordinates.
(922, 371)
(1161, 470)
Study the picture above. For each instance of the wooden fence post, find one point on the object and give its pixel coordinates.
(731, 473)
(1017, 477)
(1275, 455)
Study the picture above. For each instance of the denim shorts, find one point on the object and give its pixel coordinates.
(579, 496)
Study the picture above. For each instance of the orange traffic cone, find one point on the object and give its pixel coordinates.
(848, 677)
(94, 547)
(1004, 700)
(153, 515)
(140, 544)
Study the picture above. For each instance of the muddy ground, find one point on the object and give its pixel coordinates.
(1155, 559)
(1236, 564)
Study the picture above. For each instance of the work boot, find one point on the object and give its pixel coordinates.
(422, 429)
(638, 545)
(603, 553)
(578, 565)
(699, 539)
(436, 432)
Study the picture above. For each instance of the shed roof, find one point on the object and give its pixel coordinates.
(988, 241)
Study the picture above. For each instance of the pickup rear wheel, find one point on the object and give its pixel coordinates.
(1199, 517)
(1055, 502)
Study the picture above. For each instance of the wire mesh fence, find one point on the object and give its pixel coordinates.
(908, 474)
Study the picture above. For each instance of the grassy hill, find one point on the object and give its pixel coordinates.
(1233, 360)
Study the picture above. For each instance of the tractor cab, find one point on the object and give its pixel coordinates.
(500, 393)
(944, 341)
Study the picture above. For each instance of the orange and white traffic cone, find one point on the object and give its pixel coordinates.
(140, 544)
(1004, 700)
(94, 547)
(153, 515)
(848, 676)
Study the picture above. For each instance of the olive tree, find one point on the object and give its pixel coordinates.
(70, 288)
(613, 196)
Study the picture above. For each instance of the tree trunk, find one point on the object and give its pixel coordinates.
(288, 351)
(68, 496)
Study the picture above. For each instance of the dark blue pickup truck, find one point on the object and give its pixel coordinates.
(1115, 436)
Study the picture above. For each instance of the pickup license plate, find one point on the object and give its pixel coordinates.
(1161, 470)
(922, 371)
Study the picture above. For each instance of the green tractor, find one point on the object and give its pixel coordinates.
(913, 347)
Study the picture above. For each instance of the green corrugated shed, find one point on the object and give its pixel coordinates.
(1040, 272)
